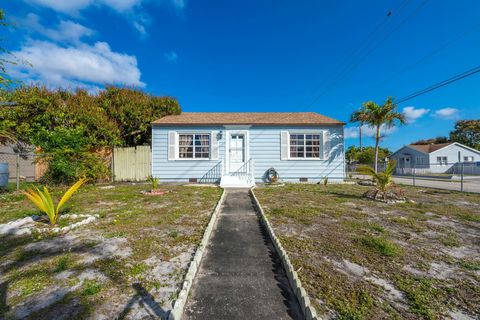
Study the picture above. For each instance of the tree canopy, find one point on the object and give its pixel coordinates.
(432, 140)
(365, 155)
(378, 116)
(74, 128)
(467, 132)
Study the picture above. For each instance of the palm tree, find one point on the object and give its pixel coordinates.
(383, 180)
(377, 116)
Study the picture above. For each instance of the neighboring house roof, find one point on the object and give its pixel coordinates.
(429, 148)
(247, 118)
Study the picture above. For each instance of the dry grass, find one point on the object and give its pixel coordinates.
(361, 259)
(135, 254)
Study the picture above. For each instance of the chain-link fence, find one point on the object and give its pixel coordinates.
(458, 176)
(22, 167)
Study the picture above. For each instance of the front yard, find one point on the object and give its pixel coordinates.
(360, 259)
(128, 263)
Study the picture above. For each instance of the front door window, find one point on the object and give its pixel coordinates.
(237, 151)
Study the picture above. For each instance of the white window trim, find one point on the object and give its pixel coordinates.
(177, 146)
(442, 162)
(321, 152)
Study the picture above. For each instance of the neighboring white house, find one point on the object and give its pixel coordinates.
(436, 158)
(237, 149)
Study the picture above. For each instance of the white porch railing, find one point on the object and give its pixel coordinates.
(246, 169)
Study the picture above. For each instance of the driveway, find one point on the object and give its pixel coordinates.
(241, 275)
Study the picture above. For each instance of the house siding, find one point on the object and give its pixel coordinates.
(451, 152)
(414, 154)
(264, 149)
(180, 170)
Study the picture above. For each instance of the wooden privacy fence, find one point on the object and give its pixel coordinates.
(132, 164)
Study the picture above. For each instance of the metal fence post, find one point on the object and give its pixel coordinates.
(17, 171)
(461, 178)
(414, 174)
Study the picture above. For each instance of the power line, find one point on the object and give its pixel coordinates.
(352, 58)
(353, 64)
(440, 84)
(430, 54)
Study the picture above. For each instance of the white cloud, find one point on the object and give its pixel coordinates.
(171, 56)
(351, 133)
(412, 114)
(66, 31)
(65, 6)
(140, 27)
(447, 113)
(130, 9)
(58, 66)
(73, 7)
(354, 132)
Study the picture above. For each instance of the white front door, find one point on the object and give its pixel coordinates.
(237, 151)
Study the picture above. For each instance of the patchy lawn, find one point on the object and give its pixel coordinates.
(129, 263)
(360, 259)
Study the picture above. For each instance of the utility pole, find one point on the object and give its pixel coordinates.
(360, 136)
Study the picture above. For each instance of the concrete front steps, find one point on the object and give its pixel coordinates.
(237, 181)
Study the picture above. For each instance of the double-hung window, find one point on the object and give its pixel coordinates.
(304, 146)
(468, 159)
(421, 160)
(442, 160)
(193, 146)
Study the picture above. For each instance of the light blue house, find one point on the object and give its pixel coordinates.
(436, 158)
(237, 149)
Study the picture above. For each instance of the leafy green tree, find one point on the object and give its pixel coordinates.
(467, 132)
(74, 129)
(6, 133)
(365, 155)
(133, 112)
(6, 57)
(432, 141)
(377, 116)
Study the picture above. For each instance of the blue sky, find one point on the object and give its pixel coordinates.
(276, 55)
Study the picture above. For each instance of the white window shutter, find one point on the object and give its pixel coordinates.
(284, 145)
(213, 145)
(326, 144)
(172, 143)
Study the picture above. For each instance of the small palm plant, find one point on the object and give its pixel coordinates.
(43, 200)
(383, 180)
(154, 181)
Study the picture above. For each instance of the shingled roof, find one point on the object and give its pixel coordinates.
(429, 148)
(247, 118)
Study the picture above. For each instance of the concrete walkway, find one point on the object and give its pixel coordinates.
(241, 276)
